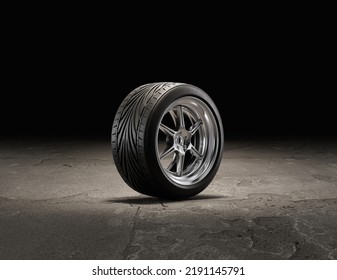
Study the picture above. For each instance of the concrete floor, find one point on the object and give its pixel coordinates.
(271, 199)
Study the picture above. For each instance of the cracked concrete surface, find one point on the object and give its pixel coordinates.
(271, 199)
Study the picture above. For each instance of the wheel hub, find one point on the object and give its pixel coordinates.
(182, 140)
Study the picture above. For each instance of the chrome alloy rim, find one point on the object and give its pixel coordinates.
(187, 141)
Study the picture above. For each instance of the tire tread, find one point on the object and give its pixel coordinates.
(127, 136)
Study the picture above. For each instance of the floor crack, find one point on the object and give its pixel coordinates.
(39, 163)
(310, 239)
(129, 247)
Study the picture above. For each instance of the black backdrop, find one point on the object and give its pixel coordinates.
(68, 80)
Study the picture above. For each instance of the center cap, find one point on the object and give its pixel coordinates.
(182, 140)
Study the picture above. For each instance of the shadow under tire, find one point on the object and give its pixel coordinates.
(167, 140)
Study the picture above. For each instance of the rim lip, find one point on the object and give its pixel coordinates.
(210, 142)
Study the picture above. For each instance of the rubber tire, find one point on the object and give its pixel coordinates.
(133, 139)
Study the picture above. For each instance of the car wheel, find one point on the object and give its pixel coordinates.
(167, 140)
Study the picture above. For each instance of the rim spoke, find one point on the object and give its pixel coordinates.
(168, 131)
(168, 150)
(196, 152)
(180, 164)
(172, 163)
(174, 117)
(194, 128)
(180, 117)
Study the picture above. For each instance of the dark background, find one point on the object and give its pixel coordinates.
(65, 75)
